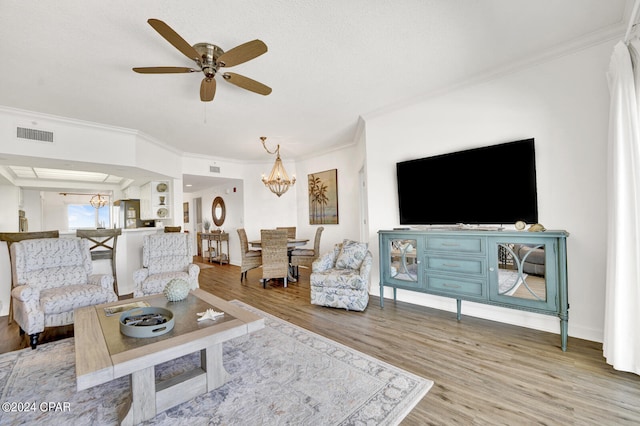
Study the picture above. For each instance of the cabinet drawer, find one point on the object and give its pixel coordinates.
(458, 245)
(456, 265)
(456, 286)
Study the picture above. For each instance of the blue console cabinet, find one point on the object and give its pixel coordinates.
(513, 269)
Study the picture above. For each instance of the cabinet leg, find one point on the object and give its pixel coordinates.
(564, 326)
(459, 308)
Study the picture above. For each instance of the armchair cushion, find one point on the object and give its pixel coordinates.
(351, 255)
(154, 284)
(63, 299)
(326, 260)
(303, 252)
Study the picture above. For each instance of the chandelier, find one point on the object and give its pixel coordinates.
(98, 201)
(278, 181)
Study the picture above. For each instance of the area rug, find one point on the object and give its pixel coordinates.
(203, 265)
(280, 375)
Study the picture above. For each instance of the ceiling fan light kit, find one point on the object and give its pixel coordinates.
(210, 58)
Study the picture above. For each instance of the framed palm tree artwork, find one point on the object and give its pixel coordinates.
(323, 197)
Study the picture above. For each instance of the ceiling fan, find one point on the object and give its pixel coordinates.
(209, 59)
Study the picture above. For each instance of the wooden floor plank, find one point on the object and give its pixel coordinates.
(485, 372)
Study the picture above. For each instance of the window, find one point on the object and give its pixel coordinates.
(86, 216)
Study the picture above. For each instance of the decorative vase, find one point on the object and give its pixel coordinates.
(176, 290)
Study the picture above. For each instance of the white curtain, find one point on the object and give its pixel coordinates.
(621, 346)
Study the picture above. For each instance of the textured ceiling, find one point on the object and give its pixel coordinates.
(329, 62)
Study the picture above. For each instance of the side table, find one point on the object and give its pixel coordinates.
(219, 237)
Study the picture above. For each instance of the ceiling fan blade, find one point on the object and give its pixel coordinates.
(172, 37)
(207, 89)
(246, 83)
(243, 53)
(163, 70)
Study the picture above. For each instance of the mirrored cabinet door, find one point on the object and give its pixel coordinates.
(520, 272)
(404, 265)
(402, 260)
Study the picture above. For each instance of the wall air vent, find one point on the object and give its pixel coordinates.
(34, 134)
(214, 169)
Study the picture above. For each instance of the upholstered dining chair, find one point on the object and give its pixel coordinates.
(304, 256)
(275, 258)
(291, 231)
(250, 258)
(165, 257)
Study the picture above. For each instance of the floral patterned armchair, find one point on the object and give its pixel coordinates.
(165, 257)
(340, 278)
(51, 278)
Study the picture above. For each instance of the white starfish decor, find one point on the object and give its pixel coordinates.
(209, 314)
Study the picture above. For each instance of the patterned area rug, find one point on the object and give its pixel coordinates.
(280, 375)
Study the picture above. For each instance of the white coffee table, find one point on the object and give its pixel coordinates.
(104, 354)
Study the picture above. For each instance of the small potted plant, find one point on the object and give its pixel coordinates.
(207, 225)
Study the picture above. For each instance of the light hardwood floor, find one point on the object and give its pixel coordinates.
(485, 373)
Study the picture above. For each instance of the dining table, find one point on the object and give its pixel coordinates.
(292, 243)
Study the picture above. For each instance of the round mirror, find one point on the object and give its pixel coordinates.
(218, 211)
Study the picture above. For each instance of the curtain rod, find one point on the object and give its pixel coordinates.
(632, 20)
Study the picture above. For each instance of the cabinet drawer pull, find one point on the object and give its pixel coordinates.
(450, 244)
(451, 265)
(450, 285)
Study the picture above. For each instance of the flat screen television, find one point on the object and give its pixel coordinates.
(490, 185)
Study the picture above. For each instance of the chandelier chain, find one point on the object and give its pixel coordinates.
(278, 181)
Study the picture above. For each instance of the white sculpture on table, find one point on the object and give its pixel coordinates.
(209, 314)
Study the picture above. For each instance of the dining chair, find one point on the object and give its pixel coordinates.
(305, 256)
(291, 231)
(104, 243)
(275, 259)
(250, 258)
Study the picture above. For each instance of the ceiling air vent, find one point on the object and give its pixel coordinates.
(34, 134)
(214, 169)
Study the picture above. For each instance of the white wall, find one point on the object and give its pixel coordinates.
(263, 209)
(232, 194)
(9, 200)
(32, 206)
(348, 161)
(563, 104)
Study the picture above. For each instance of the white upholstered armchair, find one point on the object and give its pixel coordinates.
(165, 257)
(51, 278)
(340, 277)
